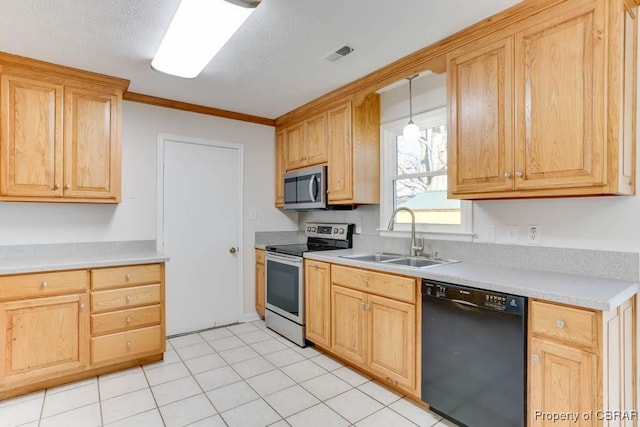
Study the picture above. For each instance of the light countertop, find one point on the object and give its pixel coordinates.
(582, 291)
(37, 258)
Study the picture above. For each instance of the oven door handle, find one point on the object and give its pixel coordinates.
(285, 259)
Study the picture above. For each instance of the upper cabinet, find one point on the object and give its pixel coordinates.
(345, 137)
(60, 133)
(307, 142)
(547, 107)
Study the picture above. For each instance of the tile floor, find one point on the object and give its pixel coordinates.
(241, 375)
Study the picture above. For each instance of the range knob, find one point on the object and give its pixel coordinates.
(308, 228)
(335, 231)
(313, 229)
(342, 231)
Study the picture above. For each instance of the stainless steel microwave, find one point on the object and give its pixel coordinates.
(306, 188)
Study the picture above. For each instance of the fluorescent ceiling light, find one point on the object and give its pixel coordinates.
(197, 32)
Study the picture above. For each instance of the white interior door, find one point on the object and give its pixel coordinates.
(201, 207)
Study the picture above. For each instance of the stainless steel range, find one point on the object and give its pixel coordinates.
(284, 284)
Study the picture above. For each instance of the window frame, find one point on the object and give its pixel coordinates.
(388, 171)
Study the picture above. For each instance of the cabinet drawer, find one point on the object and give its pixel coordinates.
(121, 276)
(389, 285)
(125, 319)
(567, 323)
(43, 284)
(127, 345)
(117, 299)
(259, 256)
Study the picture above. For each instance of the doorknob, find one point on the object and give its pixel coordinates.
(233, 250)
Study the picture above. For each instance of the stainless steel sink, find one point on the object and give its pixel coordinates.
(382, 258)
(374, 257)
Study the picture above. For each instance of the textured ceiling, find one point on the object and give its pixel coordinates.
(272, 65)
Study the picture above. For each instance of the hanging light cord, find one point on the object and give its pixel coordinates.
(410, 100)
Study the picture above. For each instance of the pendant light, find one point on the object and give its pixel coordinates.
(411, 131)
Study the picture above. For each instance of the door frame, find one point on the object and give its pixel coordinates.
(164, 137)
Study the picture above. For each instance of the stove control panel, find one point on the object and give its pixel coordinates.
(335, 231)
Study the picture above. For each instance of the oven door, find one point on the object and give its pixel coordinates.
(284, 286)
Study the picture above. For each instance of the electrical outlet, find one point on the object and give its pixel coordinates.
(511, 234)
(535, 235)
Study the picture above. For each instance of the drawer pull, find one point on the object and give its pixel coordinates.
(44, 284)
(366, 282)
(560, 324)
(128, 319)
(535, 358)
(128, 298)
(128, 276)
(129, 344)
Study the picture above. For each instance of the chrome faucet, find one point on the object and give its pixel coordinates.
(414, 244)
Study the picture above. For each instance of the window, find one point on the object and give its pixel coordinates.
(415, 176)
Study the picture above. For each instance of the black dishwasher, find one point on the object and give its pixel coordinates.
(473, 355)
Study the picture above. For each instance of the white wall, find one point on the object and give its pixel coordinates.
(604, 223)
(135, 217)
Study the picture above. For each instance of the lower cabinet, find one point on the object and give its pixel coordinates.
(62, 326)
(581, 362)
(260, 281)
(43, 338)
(366, 318)
(317, 279)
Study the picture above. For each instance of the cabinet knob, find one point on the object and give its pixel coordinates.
(129, 345)
(44, 284)
(366, 282)
(535, 358)
(560, 324)
(81, 305)
(128, 298)
(362, 305)
(507, 175)
(67, 187)
(56, 187)
(128, 319)
(128, 276)
(519, 174)
(367, 306)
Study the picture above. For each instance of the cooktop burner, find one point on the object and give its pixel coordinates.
(320, 237)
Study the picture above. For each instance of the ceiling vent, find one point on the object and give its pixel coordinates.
(339, 53)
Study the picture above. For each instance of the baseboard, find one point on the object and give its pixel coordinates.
(250, 317)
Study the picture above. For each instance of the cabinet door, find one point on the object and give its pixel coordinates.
(92, 147)
(295, 146)
(31, 137)
(392, 340)
(340, 147)
(315, 139)
(348, 327)
(560, 86)
(561, 381)
(318, 302)
(280, 167)
(260, 289)
(43, 338)
(480, 81)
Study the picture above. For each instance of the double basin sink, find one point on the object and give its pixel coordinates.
(409, 261)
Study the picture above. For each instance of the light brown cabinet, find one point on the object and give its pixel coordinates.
(307, 142)
(260, 282)
(317, 288)
(347, 138)
(354, 152)
(127, 314)
(373, 324)
(45, 327)
(59, 133)
(281, 163)
(67, 325)
(580, 362)
(547, 107)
